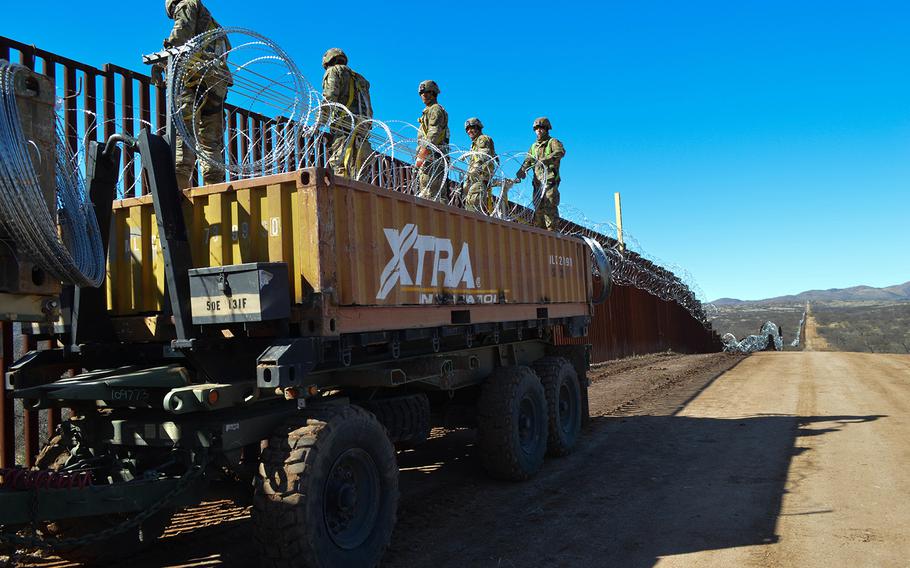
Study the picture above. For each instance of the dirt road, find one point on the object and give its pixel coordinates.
(814, 341)
(788, 459)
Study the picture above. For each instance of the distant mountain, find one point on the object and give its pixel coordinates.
(896, 293)
(727, 302)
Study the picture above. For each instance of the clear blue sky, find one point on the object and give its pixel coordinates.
(762, 145)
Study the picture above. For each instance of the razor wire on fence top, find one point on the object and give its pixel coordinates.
(274, 127)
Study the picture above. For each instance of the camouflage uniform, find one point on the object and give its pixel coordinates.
(544, 157)
(481, 167)
(350, 147)
(202, 100)
(434, 128)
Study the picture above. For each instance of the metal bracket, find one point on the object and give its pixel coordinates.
(158, 166)
(287, 364)
(90, 320)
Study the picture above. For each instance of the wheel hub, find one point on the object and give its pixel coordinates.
(351, 502)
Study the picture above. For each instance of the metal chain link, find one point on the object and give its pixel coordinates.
(52, 543)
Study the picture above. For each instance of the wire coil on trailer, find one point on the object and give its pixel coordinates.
(67, 247)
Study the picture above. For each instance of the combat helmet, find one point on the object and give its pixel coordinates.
(170, 6)
(428, 87)
(473, 121)
(542, 122)
(333, 54)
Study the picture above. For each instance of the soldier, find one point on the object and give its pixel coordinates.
(434, 129)
(544, 156)
(205, 88)
(349, 143)
(480, 169)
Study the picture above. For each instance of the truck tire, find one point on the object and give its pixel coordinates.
(53, 457)
(565, 404)
(583, 384)
(405, 418)
(512, 423)
(327, 491)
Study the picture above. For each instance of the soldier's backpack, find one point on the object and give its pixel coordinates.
(360, 92)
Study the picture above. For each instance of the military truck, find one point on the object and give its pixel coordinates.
(293, 331)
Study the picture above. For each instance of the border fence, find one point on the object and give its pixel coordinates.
(114, 99)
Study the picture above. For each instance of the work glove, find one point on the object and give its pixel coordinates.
(157, 75)
(421, 157)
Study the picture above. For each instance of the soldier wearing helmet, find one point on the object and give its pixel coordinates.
(481, 166)
(349, 140)
(432, 144)
(204, 91)
(544, 157)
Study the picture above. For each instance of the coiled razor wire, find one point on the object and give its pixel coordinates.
(799, 331)
(768, 338)
(260, 76)
(267, 81)
(70, 250)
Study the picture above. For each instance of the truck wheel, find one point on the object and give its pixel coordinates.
(327, 491)
(405, 418)
(564, 403)
(512, 423)
(583, 384)
(53, 457)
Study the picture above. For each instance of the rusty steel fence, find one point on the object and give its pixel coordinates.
(95, 103)
(633, 322)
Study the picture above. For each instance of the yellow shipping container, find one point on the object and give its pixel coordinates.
(359, 258)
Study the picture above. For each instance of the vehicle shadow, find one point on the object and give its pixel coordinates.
(637, 489)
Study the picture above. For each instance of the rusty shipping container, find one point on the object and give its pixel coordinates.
(359, 258)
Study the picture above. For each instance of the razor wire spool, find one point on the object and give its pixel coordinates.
(66, 245)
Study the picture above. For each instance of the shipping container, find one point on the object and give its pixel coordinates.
(359, 258)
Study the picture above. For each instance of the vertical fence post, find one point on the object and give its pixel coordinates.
(126, 111)
(234, 132)
(70, 121)
(90, 103)
(145, 121)
(7, 411)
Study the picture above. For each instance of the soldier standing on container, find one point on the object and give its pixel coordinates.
(480, 169)
(344, 86)
(202, 100)
(544, 156)
(434, 129)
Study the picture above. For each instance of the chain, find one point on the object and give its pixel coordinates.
(51, 543)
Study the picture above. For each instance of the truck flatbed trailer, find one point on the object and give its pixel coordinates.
(294, 329)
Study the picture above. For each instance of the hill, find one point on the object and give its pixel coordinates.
(896, 293)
